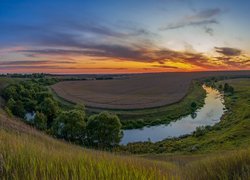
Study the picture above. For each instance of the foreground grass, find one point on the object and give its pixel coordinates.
(232, 165)
(28, 154)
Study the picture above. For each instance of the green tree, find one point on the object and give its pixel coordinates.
(29, 104)
(11, 103)
(231, 89)
(193, 106)
(103, 130)
(226, 87)
(18, 109)
(70, 125)
(10, 92)
(49, 107)
(200, 131)
(40, 121)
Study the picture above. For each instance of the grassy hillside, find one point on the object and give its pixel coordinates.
(28, 154)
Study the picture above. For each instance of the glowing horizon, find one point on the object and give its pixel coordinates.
(94, 37)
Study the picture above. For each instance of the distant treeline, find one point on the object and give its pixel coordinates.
(18, 75)
(61, 77)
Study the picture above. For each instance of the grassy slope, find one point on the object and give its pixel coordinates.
(233, 131)
(28, 154)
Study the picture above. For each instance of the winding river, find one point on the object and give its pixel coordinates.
(209, 114)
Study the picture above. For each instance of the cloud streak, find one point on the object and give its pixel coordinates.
(228, 51)
(201, 18)
(33, 62)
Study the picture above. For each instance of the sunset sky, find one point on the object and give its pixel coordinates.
(124, 36)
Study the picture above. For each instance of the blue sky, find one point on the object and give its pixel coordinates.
(123, 36)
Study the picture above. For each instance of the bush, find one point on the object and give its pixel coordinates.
(200, 131)
(103, 130)
(70, 125)
(40, 121)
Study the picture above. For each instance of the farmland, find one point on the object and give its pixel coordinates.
(133, 92)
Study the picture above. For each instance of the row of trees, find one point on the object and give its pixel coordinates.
(101, 130)
(226, 88)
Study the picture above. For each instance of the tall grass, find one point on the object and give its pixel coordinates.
(26, 157)
(234, 165)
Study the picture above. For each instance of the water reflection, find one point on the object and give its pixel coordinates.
(209, 114)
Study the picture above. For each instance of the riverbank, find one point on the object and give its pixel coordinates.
(230, 133)
(208, 115)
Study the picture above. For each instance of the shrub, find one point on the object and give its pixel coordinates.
(70, 125)
(40, 121)
(103, 130)
(200, 131)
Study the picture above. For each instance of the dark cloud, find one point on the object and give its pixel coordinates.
(189, 23)
(228, 51)
(209, 30)
(119, 52)
(207, 13)
(65, 32)
(201, 18)
(165, 66)
(10, 67)
(33, 62)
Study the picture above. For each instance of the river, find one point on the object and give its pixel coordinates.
(209, 114)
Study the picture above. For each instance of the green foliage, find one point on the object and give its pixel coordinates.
(32, 96)
(228, 89)
(16, 107)
(40, 121)
(103, 130)
(70, 125)
(50, 108)
(10, 92)
(193, 106)
(200, 131)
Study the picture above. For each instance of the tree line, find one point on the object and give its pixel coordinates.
(101, 130)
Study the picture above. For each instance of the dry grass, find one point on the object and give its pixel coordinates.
(29, 154)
